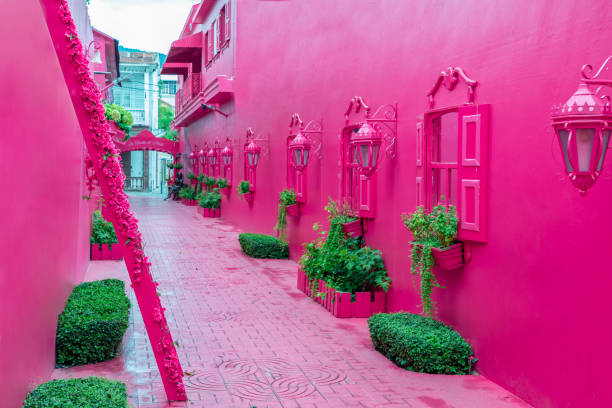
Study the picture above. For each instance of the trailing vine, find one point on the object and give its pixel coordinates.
(437, 229)
(287, 197)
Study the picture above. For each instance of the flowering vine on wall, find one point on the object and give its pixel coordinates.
(87, 101)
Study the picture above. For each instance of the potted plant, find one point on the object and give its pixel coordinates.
(351, 224)
(244, 190)
(286, 200)
(210, 204)
(188, 196)
(199, 184)
(347, 279)
(103, 240)
(210, 182)
(222, 183)
(434, 242)
(178, 166)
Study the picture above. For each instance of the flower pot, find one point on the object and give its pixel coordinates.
(449, 258)
(215, 213)
(293, 210)
(96, 252)
(352, 228)
(248, 197)
(106, 252)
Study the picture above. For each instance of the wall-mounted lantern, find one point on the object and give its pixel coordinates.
(213, 160)
(583, 125)
(363, 137)
(251, 158)
(202, 156)
(193, 158)
(227, 156)
(300, 142)
(366, 144)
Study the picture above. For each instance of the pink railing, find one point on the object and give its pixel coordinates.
(191, 88)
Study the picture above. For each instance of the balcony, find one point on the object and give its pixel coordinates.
(193, 94)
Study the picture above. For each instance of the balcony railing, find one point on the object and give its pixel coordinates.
(134, 183)
(139, 116)
(191, 88)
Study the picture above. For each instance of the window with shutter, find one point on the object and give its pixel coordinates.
(221, 25)
(210, 44)
(228, 25)
(452, 165)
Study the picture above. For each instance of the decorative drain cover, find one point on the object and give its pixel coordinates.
(265, 379)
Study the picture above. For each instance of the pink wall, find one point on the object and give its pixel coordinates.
(534, 299)
(44, 218)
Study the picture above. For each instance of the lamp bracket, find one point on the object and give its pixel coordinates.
(263, 142)
(313, 131)
(383, 120)
(593, 79)
(449, 78)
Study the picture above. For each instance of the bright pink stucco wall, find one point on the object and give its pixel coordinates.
(44, 220)
(534, 300)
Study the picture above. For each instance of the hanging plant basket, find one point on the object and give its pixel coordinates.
(293, 210)
(449, 258)
(248, 197)
(105, 252)
(352, 228)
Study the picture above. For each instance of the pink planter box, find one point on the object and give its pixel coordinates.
(293, 210)
(248, 197)
(339, 303)
(209, 212)
(352, 228)
(105, 252)
(449, 258)
(190, 203)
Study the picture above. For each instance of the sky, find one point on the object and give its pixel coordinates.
(149, 25)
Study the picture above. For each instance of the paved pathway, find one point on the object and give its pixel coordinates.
(248, 338)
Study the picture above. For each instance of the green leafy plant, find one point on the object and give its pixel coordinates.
(78, 393)
(191, 176)
(102, 231)
(287, 197)
(420, 343)
(211, 200)
(263, 246)
(91, 327)
(436, 229)
(188, 193)
(178, 166)
(210, 182)
(222, 182)
(201, 178)
(340, 260)
(170, 165)
(244, 187)
(120, 116)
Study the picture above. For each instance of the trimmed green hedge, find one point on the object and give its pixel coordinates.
(91, 327)
(263, 246)
(421, 344)
(78, 393)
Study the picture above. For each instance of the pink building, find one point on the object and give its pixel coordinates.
(104, 55)
(534, 296)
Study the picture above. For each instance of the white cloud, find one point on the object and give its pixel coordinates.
(149, 25)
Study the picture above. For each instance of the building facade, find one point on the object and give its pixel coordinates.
(532, 296)
(140, 93)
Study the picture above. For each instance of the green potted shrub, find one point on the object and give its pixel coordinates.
(210, 182)
(188, 196)
(103, 240)
(434, 242)
(286, 200)
(348, 279)
(210, 204)
(199, 184)
(244, 190)
(351, 224)
(223, 184)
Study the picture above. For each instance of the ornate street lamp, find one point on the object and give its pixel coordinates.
(583, 125)
(202, 155)
(252, 152)
(366, 144)
(299, 149)
(212, 161)
(226, 160)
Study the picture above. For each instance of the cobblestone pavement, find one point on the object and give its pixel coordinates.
(248, 338)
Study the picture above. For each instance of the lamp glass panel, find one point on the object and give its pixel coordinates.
(584, 147)
(604, 148)
(250, 158)
(305, 160)
(563, 139)
(229, 159)
(364, 150)
(255, 159)
(375, 149)
(297, 156)
(355, 154)
(213, 160)
(224, 160)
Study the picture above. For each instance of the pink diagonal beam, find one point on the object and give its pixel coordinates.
(89, 109)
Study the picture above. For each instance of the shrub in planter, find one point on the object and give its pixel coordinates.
(263, 246)
(102, 231)
(244, 187)
(437, 229)
(419, 343)
(178, 166)
(188, 193)
(91, 327)
(122, 117)
(287, 197)
(210, 182)
(78, 393)
(222, 182)
(211, 201)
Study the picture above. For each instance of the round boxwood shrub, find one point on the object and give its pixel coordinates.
(91, 327)
(263, 246)
(419, 343)
(78, 393)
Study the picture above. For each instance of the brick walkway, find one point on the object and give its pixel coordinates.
(249, 338)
